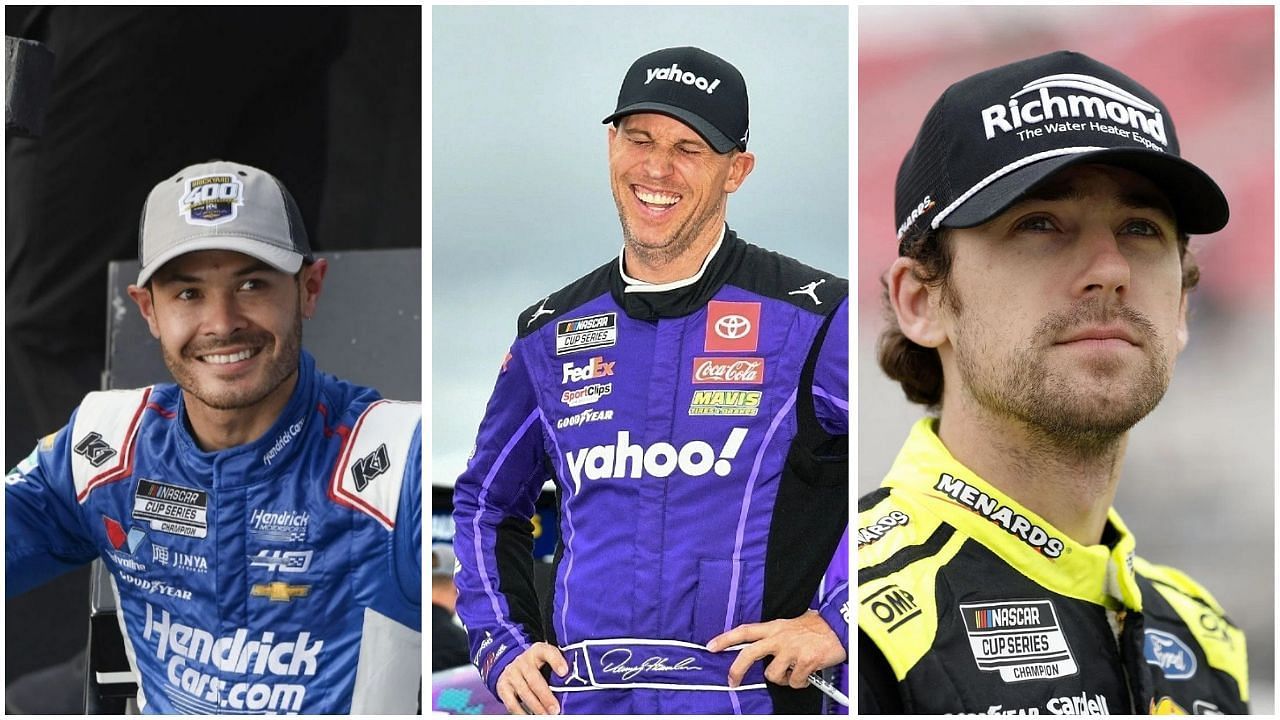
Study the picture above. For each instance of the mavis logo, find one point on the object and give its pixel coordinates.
(1053, 100)
(659, 460)
(596, 367)
(675, 74)
(990, 508)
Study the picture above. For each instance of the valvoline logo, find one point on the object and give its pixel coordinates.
(1169, 653)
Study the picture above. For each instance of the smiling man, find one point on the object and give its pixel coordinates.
(261, 520)
(1038, 305)
(689, 399)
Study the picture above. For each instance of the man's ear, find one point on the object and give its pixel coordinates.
(741, 166)
(146, 305)
(916, 305)
(311, 282)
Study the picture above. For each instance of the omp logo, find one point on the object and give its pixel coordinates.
(95, 449)
(659, 460)
(1051, 97)
(892, 606)
(186, 646)
(990, 508)
(675, 74)
(596, 367)
(881, 527)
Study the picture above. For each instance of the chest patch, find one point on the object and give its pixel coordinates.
(1020, 639)
(172, 508)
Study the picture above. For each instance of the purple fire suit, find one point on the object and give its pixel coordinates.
(697, 436)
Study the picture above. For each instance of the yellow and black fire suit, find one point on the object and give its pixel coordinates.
(971, 603)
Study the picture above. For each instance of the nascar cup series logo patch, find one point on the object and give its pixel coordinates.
(211, 199)
(1020, 639)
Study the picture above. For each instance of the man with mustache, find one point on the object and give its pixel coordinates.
(1038, 305)
(261, 519)
(690, 399)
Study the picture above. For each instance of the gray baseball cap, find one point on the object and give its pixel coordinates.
(221, 205)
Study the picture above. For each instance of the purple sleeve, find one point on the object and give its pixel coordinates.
(831, 376)
(833, 595)
(493, 503)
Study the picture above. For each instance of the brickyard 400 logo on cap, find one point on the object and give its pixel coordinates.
(992, 137)
(221, 205)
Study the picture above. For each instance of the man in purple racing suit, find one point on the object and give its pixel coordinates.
(261, 520)
(690, 401)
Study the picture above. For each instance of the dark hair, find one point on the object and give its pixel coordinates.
(919, 369)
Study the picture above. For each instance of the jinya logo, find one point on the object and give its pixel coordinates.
(1050, 98)
(675, 74)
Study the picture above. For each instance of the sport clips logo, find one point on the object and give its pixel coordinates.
(659, 460)
(1052, 97)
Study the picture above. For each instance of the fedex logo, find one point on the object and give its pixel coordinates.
(596, 367)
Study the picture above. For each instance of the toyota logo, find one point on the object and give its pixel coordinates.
(733, 327)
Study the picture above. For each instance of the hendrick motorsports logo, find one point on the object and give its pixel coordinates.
(1020, 639)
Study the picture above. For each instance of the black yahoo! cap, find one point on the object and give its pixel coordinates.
(693, 86)
(993, 136)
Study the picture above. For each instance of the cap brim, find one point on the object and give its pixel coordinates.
(717, 140)
(1197, 200)
(286, 261)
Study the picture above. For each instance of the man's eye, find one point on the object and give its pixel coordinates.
(188, 294)
(1141, 227)
(1037, 223)
(690, 149)
(252, 284)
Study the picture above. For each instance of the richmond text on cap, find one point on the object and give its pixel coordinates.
(992, 137)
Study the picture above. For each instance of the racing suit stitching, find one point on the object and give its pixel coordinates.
(568, 519)
(746, 507)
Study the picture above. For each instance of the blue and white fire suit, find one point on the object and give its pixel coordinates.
(697, 433)
(283, 575)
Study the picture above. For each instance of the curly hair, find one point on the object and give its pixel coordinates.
(919, 369)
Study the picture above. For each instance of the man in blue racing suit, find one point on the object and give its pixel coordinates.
(690, 399)
(261, 520)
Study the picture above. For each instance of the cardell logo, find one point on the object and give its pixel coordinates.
(659, 460)
(675, 74)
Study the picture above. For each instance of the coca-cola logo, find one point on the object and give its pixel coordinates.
(749, 371)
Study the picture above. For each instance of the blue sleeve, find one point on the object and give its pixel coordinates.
(408, 535)
(832, 602)
(493, 503)
(44, 533)
(831, 376)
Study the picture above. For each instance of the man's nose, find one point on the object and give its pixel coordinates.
(223, 315)
(658, 163)
(1106, 269)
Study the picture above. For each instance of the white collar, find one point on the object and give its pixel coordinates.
(634, 285)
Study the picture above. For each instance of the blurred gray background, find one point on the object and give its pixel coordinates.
(1198, 481)
(521, 204)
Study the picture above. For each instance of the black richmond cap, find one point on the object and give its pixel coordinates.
(693, 86)
(993, 136)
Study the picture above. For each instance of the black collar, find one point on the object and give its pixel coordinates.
(686, 299)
